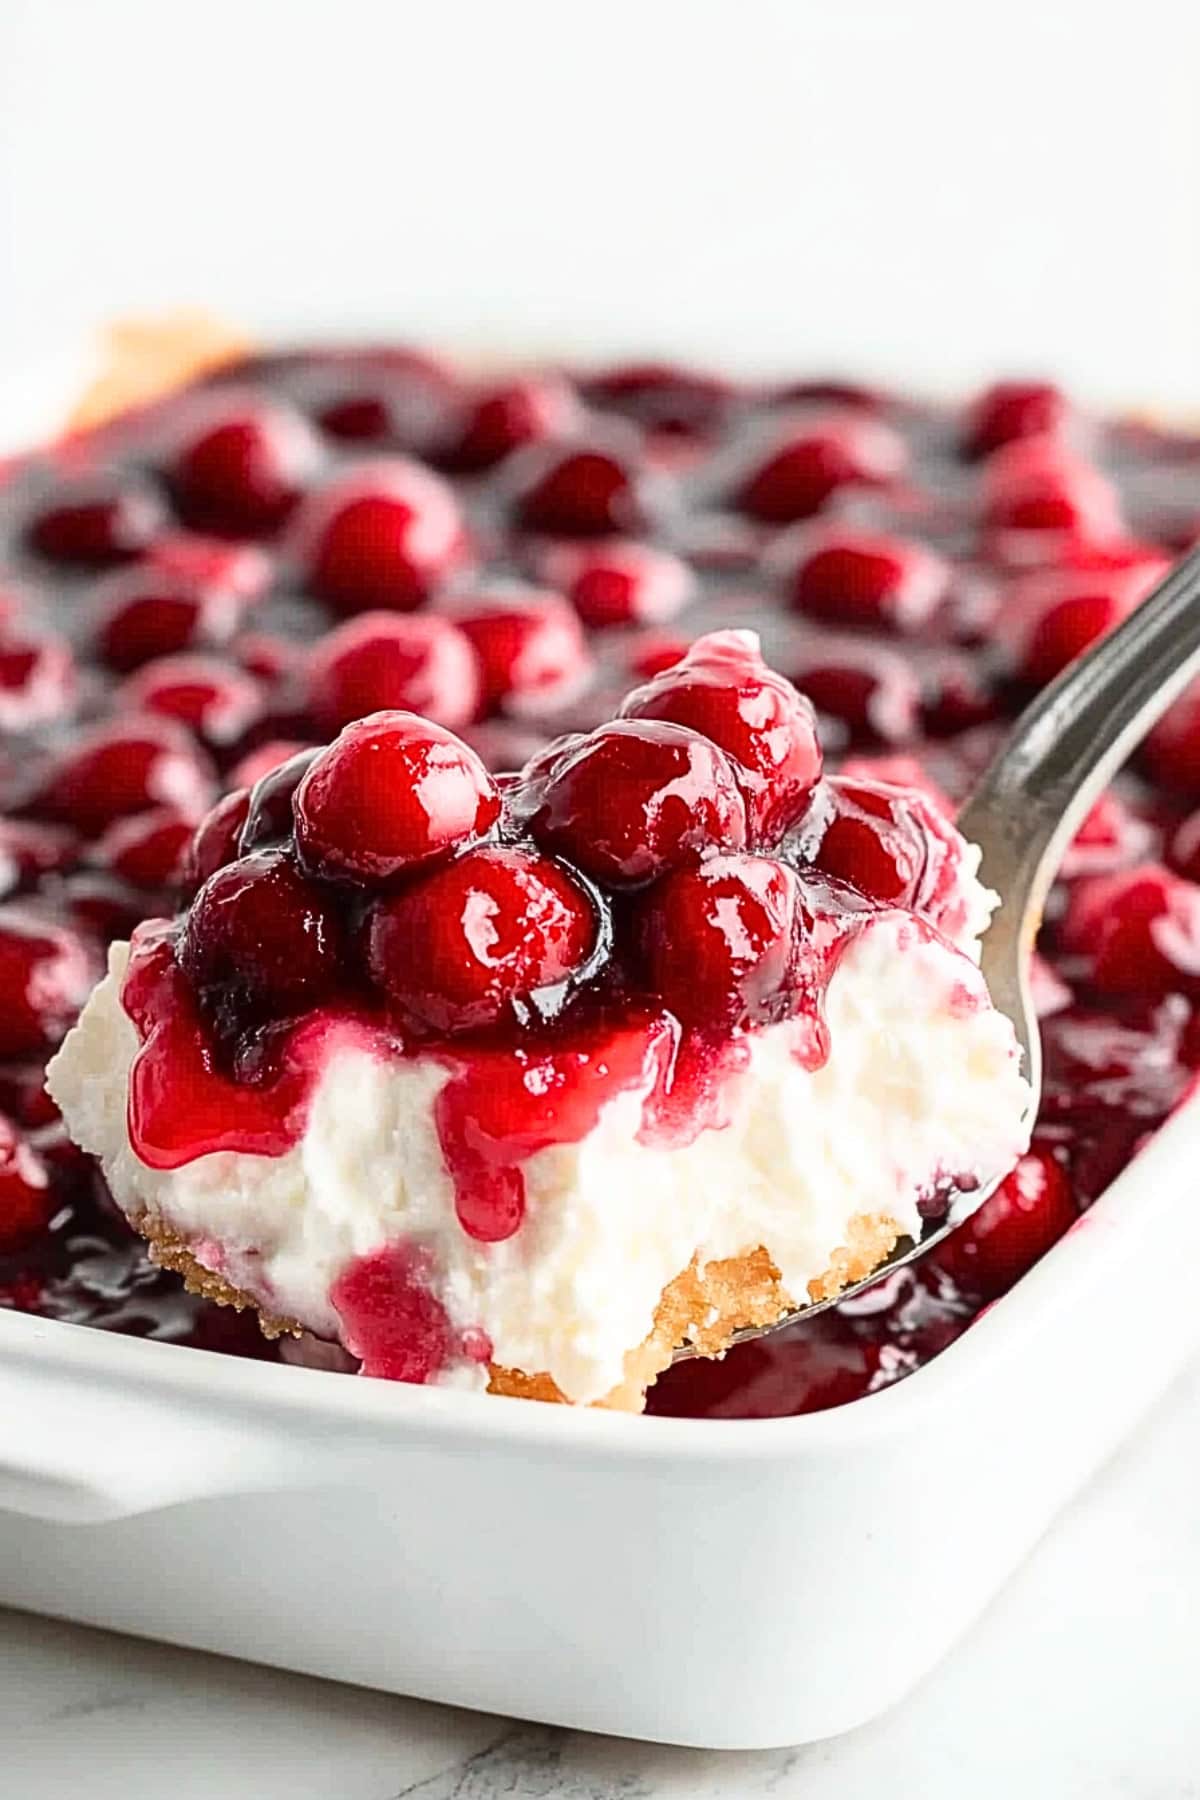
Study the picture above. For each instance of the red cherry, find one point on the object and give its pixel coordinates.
(715, 941)
(383, 394)
(502, 416)
(384, 536)
(146, 850)
(28, 851)
(37, 678)
(45, 977)
(899, 771)
(360, 415)
(1036, 485)
(723, 688)
(1009, 410)
(217, 699)
(269, 816)
(530, 647)
(812, 459)
(869, 687)
(215, 840)
(637, 798)
(863, 578)
(27, 1202)
(118, 768)
(384, 661)
(1139, 931)
(261, 942)
(875, 841)
(662, 397)
(898, 847)
(98, 522)
(401, 402)
(487, 933)
(1171, 752)
(394, 791)
(242, 466)
(1067, 628)
(1013, 1229)
(621, 582)
(577, 491)
(1053, 616)
(142, 615)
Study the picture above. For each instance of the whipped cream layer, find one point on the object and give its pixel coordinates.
(922, 1085)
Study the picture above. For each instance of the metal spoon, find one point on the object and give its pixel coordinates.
(1063, 751)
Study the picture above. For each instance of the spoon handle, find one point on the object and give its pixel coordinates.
(1066, 746)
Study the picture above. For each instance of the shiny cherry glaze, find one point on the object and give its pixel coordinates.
(579, 490)
(386, 536)
(393, 792)
(858, 578)
(383, 661)
(636, 798)
(806, 466)
(723, 689)
(140, 614)
(497, 927)
(717, 940)
(260, 936)
(500, 417)
(620, 582)
(917, 570)
(1011, 410)
(27, 1199)
(240, 468)
(529, 646)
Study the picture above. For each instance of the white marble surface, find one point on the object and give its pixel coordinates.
(1079, 1684)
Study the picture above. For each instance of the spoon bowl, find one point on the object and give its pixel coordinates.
(1062, 753)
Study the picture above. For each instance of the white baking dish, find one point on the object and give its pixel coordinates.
(711, 1583)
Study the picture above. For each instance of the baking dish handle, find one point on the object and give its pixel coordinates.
(72, 1453)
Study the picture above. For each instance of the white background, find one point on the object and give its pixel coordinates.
(937, 188)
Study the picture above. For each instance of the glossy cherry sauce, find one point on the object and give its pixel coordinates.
(917, 570)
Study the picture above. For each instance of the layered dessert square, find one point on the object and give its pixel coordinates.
(531, 1082)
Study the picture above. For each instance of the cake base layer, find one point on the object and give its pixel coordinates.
(702, 1308)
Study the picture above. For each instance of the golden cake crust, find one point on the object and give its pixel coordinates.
(141, 360)
(704, 1307)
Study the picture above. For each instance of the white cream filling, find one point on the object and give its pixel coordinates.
(922, 1082)
(978, 904)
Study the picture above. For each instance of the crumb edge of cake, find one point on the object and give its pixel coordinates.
(702, 1306)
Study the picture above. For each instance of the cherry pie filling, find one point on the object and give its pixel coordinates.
(555, 574)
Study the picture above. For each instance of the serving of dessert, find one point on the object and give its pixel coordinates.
(517, 815)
